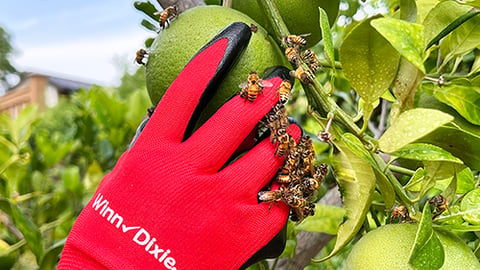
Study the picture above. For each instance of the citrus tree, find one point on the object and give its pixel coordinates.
(396, 103)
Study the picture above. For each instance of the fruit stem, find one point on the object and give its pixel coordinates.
(274, 18)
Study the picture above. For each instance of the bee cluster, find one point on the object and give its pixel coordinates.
(293, 52)
(298, 177)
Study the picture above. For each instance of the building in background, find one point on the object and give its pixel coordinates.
(41, 89)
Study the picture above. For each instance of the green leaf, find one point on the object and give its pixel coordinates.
(148, 8)
(404, 88)
(29, 230)
(470, 207)
(410, 126)
(327, 218)
(71, 178)
(464, 99)
(368, 60)
(408, 10)
(405, 37)
(327, 38)
(463, 39)
(149, 26)
(384, 185)
(356, 180)
(427, 252)
(52, 254)
(423, 151)
(465, 181)
(439, 18)
(474, 3)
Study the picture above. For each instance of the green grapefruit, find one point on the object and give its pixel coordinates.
(389, 246)
(300, 17)
(189, 32)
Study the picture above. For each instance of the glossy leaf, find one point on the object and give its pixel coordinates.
(427, 252)
(408, 10)
(464, 99)
(465, 181)
(404, 88)
(474, 3)
(327, 37)
(327, 218)
(423, 151)
(149, 26)
(405, 37)
(384, 185)
(438, 19)
(463, 39)
(356, 180)
(410, 126)
(368, 60)
(470, 207)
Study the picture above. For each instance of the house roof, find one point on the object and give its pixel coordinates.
(67, 86)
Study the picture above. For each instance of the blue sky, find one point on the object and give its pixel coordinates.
(79, 39)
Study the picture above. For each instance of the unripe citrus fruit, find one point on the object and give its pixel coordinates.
(389, 246)
(188, 33)
(301, 17)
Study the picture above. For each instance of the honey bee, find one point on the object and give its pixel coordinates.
(140, 56)
(276, 119)
(284, 142)
(310, 58)
(283, 176)
(271, 195)
(253, 86)
(294, 40)
(321, 172)
(307, 152)
(400, 214)
(166, 15)
(301, 74)
(292, 55)
(439, 204)
(284, 91)
(309, 185)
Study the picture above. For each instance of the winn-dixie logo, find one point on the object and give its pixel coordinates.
(142, 237)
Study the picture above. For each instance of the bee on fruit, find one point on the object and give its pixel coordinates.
(254, 85)
(301, 74)
(295, 41)
(166, 16)
(141, 54)
(292, 55)
(284, 91)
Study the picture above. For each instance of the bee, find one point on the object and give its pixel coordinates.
(307, 152)
(141, 54)
(284, 91)
(321, 172)
(310, 58)
(276, 119)
(294, 40)
(309, 185)
(301, 74)
(283, 176)
(400, 213)
(253, 86)
(292, 55)
(166, 15)
(439, 204)
(284, 142)
(271, 195)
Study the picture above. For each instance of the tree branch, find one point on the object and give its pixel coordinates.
(309, 243)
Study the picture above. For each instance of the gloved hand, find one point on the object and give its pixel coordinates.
(175, 199)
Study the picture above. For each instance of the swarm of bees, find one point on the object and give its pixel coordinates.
(166, 16)
(293, 52)
(298, 177)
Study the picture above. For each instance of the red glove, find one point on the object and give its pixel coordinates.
(170, 203)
